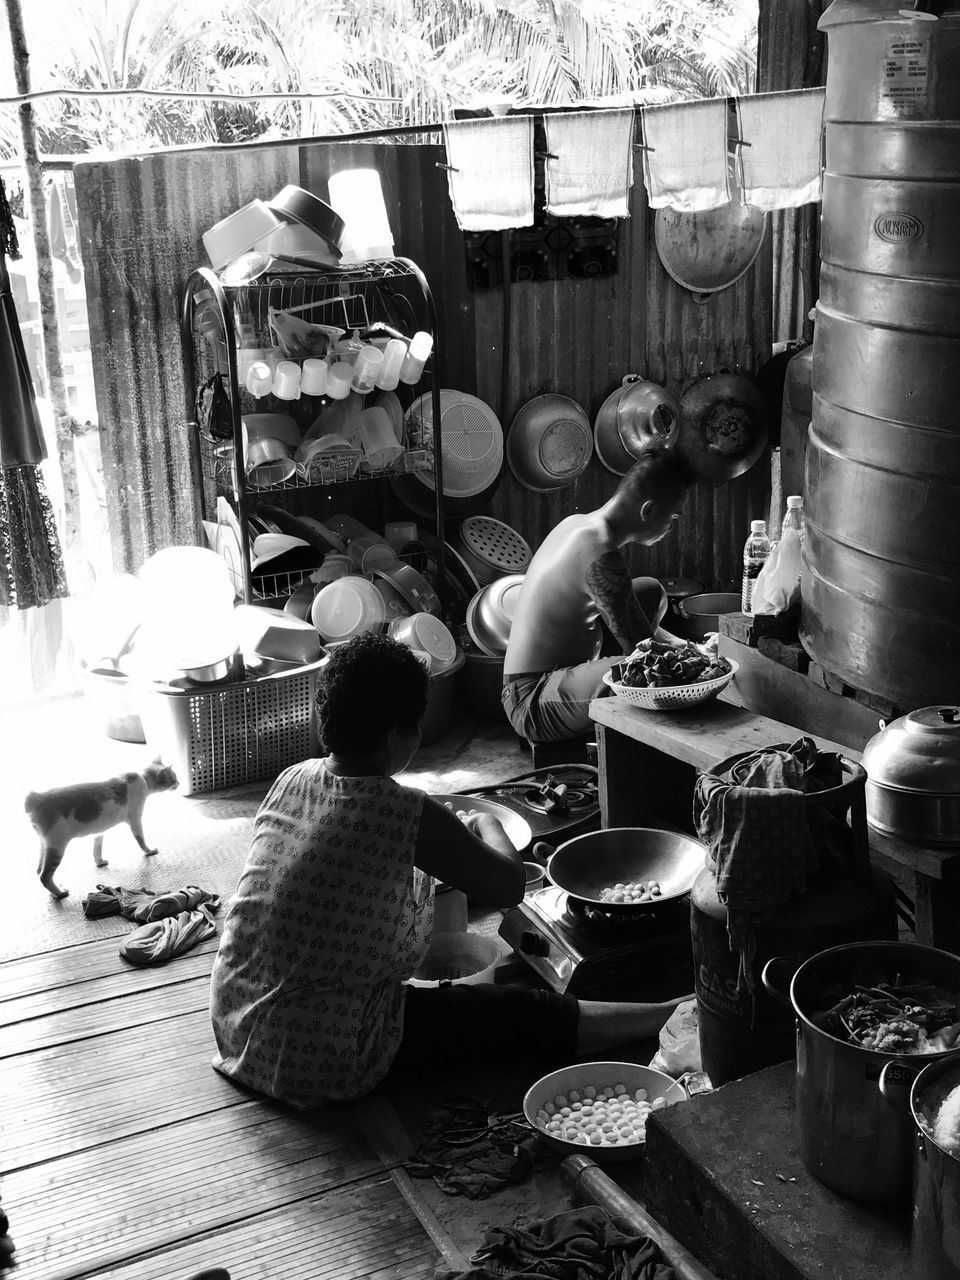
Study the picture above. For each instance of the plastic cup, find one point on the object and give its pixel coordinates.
(286, 381)
(313, 379)
(421, 344)
(380, 447)
(259, 380)
(400, 532)
(339, 377)
(393, 356)
(368, 364)
(369, 552)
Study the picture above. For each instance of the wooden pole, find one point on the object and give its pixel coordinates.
(50, 323)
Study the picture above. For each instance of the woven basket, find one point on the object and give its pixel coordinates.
(670, 697)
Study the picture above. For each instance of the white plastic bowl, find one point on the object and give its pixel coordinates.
(458, 957)
(601, 1075)
(347, 607)
(239, 232)
(428, 634)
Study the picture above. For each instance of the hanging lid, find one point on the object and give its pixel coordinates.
(918, 752)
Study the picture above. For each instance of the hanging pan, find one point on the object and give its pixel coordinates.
(709, 250)
(549, 444)
(723, 427)
(637, 416)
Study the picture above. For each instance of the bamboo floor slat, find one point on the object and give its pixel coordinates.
(125, 1155)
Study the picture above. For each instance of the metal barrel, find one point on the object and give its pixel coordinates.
(881, 578)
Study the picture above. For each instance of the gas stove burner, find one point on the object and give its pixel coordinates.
(576, 800)
(608, 919)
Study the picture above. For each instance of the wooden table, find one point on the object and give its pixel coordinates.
(649, 761)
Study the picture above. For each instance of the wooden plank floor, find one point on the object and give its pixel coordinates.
(124, 1154)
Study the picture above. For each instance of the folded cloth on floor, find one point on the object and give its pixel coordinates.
(589, 166)
(491, 172)
(758, 842)
(780, 169)
(579, 1244)
(688, 167)
(144, 905)
(469, 1151)
(164, 940)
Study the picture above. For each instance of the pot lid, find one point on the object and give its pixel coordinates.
(917, 752)
(681, 588)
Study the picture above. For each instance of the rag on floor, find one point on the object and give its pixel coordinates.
(685, 163)
(753, 821)
(579, 1244)
(490, 172)
(780, 168)
(469, 1151)
(146, 905)
(589, 167)
(165, 939)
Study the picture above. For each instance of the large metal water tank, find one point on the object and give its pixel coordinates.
(881, 583)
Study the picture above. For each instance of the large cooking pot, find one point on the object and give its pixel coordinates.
(637, 416)
(723, 426)
(700, 615)
(851, 1140)
(935, 1239)
(913, 776)
(597, 860)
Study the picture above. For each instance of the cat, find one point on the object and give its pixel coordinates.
(90, 808)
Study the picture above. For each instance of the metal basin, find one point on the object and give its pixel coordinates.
(587, 864)
(517, 828)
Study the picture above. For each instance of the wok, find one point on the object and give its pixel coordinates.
(589, 863)
(708, 250)
(723, 427)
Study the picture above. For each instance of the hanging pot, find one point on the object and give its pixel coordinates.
(723, 427)
(709, 250)
(637, 416)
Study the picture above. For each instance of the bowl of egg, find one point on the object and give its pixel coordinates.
(599, 1109)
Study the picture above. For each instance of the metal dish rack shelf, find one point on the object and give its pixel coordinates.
(217, 311)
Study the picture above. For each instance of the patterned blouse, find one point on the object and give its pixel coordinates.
(329, 917)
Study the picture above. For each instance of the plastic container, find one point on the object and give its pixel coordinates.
(369, 552)
(458, 957)
(334, 567)
(399, 532)
(259, 380)
(421, 344)
(425, 632)
(238, 233)
(365, 370)
(115, 701)
(234, 733)
(339, 377)
(357, 196)
(793, 516)
(286, 381)
(755, 552)
(377, 438)
(347, 607)
(313, 379)
(394, 354)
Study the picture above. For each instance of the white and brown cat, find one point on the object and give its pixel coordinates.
(88, 809)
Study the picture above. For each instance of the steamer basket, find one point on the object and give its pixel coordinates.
(491, 548)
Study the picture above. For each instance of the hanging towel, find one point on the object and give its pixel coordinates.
(688, 167)
(780, 169)
(491, 172)
(164, 940)
(589, 166)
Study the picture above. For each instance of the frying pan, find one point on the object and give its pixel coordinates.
(723, 426)
(709, 250)
(589, 863)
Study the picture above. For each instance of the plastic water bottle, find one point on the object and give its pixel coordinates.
(755, 552)
(793, 516)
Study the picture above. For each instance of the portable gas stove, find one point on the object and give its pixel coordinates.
(603, 954)
(558, 803)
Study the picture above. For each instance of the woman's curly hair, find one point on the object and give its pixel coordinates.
(371, 684)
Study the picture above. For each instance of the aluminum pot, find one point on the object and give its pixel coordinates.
(638, 415)
(913, 776)
(935, 1239)
(851, 1140)
(701, 614)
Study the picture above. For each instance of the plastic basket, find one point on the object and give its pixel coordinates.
(670, 697)
(233, 733)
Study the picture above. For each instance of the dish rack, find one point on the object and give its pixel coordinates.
(216, 312)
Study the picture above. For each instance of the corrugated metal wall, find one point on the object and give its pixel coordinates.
(141, 223)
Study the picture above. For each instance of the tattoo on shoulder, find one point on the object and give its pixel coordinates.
(611, 586)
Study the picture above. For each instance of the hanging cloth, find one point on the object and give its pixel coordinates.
(31, 560)
(589, 166)
(685, 166)
(780, 168)
(491, 172)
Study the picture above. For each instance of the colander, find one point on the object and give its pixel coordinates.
(491, 548)
(472, 441)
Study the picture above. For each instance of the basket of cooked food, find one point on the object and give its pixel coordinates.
(659, 676)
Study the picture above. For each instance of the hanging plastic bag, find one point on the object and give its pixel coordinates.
(778, 585)
(679, 1050)
(300, 339)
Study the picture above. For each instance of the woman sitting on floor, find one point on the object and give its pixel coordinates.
(334, 908)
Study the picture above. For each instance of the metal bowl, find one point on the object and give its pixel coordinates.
(638, 415)
(490, 614)
(549, 444)
(518, 829)
(587, 864)
(600, 1075)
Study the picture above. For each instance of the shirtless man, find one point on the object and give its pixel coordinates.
(577, 580)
